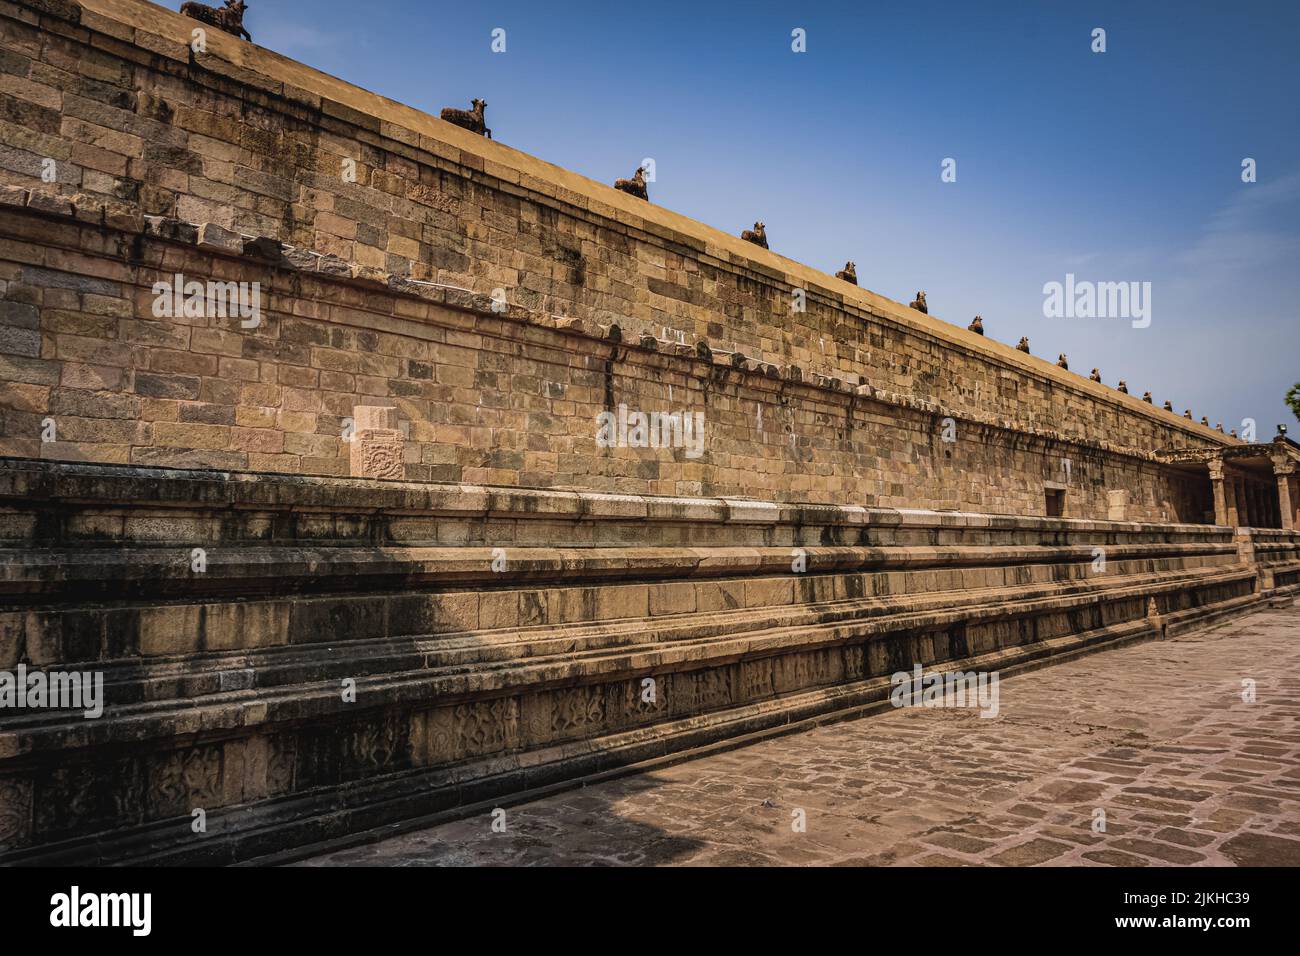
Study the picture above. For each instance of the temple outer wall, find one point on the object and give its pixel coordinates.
(509, 400)
(751, 609)
(847, 398)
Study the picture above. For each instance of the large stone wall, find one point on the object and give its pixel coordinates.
(176, 513)
(842, 402)
(501, 400)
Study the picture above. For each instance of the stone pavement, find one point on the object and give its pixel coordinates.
(1156, 736)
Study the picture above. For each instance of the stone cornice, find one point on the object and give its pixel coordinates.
(33, 480)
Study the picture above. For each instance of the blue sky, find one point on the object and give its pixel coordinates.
(1118, 166)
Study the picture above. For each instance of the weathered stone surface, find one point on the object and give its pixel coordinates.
(1117, 505)
(375, 417)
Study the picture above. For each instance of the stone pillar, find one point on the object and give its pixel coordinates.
(1234, 500)
(1285, 505)
(1220, 493)
(376, 443)
(1117, 505)
(1295, 502)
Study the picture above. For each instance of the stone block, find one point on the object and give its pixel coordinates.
(375, 418)
(218, 238)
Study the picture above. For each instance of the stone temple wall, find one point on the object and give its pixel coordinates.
(514, 605)
(483, 398)
(380, 296)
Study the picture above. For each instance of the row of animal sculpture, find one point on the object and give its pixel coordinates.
(230, 19)
(1095, 376)
(636, 186)
(977, 326)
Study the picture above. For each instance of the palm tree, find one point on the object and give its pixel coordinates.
(1293, 400)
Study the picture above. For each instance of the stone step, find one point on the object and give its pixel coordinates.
(225, 692)
(44, 730)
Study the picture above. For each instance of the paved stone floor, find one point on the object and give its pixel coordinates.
(1157, 736)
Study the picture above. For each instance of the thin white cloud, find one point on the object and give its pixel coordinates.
(1249, 233)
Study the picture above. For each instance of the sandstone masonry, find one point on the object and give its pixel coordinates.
(386, 477)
